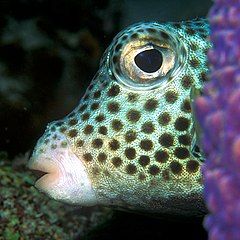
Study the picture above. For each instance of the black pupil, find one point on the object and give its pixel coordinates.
(149, 60)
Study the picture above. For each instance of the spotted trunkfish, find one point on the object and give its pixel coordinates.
(132, 142)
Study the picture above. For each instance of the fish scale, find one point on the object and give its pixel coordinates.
(133, 132)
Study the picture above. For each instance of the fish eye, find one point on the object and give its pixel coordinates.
(149, 61)
(146, 61)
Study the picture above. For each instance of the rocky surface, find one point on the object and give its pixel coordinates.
(26, 214)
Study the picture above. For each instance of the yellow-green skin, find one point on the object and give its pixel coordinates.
(137, 142)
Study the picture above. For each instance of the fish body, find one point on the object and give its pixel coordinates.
(131, 141)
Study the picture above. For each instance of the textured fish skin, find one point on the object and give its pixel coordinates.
(134, 132)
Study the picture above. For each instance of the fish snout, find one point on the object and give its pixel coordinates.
(64, 176)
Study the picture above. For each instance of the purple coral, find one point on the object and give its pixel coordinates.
(218, 112)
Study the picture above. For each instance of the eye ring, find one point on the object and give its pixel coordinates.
(128, 73)
(129, 67)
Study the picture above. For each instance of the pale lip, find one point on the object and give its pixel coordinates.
(49, 169)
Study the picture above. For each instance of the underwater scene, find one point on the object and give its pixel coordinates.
(119, 119)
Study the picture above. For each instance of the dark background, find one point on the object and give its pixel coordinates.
(49, 51)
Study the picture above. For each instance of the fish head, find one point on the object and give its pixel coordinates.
(129, 141)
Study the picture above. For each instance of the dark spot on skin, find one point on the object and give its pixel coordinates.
(53, 146)
(205, 51)
(117, 70)
(80, 143)
(148, 127)
(116, 161)
(64, 144)
(85, 116)
(194, 63)
(181, 152)
(194, 46)
(153, 183)
(117, 125)
(171, 96)
(118, 47)
(192, 166)
(102, 157)
(140, 30)
(186, 106)
(146, 145)
(88, 129)
(85, 98)
(114, 145)
(151, 30)
(53, 129)
(187, 81)
(164, 119)
(72, 122)
(124, 37)
(113, 91)
(132, 97)
(72, 133)
(190, 31)
(96, 171)
(154, 170)
(130, 153)
(83, 107)
(90, 87)
(177, 25)
(113, 107)
(97, 143)
(165, 175)
(182, 124)
(176, 167)
(106, 173)
(59, 123)
(204, 36)
(204, 77)
(97, 94)
(151, 105)
(134, 36)
(161, 156)
(166, 140)
(130, 136)
(184, 139)
(144, 160)
(133, 115)
(94, 106)
(63, 129)
(87, 157)
(164, 35)
(102, 130)
(131, 169)
(141, 176)
(115, 59)
(100, 118)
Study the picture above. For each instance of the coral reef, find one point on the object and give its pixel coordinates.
(218, 111)
(27, 214)
(49, 51)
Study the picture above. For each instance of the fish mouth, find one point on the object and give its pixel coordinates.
(46, 171)
(38, 174)
(62, 174)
